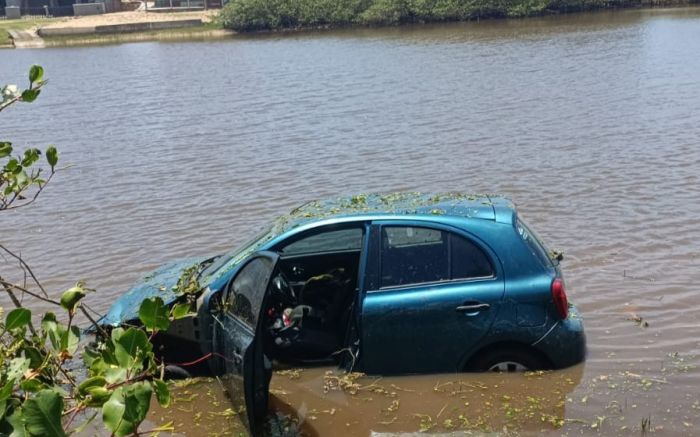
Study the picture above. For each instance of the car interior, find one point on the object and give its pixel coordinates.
(312, 297)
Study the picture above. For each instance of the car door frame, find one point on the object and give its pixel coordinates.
(253, 385)
(356, 332)
(372, 282)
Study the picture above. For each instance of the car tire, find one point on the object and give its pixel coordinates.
(176, 372)
(508, 360)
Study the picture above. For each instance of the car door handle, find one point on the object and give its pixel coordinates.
(473, 307)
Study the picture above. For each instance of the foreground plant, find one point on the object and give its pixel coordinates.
(39, 393)
(40, 396)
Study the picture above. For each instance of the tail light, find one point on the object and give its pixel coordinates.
(561, 303)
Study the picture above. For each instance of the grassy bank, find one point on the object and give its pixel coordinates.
(253, 15)
(22, 24)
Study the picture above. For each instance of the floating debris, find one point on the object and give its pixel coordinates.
(292, 374)
(346, 382)
(639, 320)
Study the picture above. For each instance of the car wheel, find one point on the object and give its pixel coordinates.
(508, 366)
(508, 360)
(176, 372)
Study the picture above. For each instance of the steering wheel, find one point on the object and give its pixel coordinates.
(281, 284)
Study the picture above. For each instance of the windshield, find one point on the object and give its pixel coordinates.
(235, 256)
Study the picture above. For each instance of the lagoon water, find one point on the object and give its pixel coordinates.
(590, 122)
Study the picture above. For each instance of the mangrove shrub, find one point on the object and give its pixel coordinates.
(255, 15)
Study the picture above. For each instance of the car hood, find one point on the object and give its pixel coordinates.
(160, 283)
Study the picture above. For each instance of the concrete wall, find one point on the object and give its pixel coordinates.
(119, 28)
(88, 9)
(67, 31)
(112, 5)
(12, 12)
(140, 27)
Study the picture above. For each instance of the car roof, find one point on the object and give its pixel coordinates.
(451, 204)
(444, 207)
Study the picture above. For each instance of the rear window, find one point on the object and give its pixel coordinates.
(533, 243)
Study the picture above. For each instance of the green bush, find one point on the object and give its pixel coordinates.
(252, 15)
(524, 8)
(442, 10)
(329, 12)
(386, 12)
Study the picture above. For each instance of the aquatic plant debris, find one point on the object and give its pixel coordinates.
(188, 283)
(290, 373)
(566, 404)
(457, 204)
(639, 320)
(163, 283)
(451, 203)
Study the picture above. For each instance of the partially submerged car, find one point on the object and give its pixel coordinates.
(380, 284)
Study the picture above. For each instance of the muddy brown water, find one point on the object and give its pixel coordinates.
(591, 123)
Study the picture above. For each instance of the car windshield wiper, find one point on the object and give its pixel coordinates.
(204, 264)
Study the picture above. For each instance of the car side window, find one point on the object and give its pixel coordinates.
(247, 291)
(411, 255)
(329, 241)
(467, 260)
(414, 255)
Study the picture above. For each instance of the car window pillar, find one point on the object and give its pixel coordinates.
(372, 265)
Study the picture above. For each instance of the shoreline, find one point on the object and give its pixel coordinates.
(73, 32)
(201, 33)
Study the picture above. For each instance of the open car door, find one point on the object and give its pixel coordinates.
(248, 371)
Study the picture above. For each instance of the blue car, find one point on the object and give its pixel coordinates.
(383, 284)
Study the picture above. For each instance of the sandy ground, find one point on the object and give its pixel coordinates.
(130, 17)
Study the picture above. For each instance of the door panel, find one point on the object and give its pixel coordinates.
(247, 370)
(422, 329)
(423, 312)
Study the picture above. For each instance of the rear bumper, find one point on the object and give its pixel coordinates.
(565, 343)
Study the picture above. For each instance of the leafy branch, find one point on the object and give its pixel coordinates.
(39, 394)
(10, 93)
(20, 181)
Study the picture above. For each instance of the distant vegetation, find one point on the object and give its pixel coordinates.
(252, 15)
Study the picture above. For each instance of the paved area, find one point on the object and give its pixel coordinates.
(26, 39)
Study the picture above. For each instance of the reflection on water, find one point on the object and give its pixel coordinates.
(589, 122)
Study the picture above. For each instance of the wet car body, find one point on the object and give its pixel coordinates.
(388, 284)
